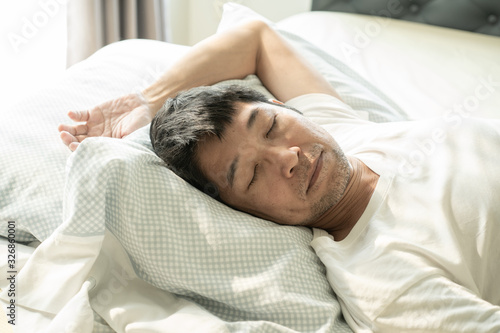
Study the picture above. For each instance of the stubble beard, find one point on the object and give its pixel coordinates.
(337, 185)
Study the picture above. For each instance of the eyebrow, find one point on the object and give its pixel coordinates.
(253, 117)
(232, 170)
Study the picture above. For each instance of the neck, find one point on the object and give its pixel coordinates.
(341, 217)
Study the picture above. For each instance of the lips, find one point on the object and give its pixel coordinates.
(316, 171)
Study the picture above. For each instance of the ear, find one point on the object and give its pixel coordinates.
(276, 101)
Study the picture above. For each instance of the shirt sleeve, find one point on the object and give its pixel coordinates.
(437, 304)
(326, 109)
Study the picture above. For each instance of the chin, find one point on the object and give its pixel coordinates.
(337, 182)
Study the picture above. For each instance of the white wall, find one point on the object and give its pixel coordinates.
(32, 46)
(194, 20)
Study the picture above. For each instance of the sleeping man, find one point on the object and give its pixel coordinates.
(405, 215)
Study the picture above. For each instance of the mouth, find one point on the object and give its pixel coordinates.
(317, 166)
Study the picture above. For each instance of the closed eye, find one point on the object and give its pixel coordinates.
(272, 126)
(254, 178)
(256, 168)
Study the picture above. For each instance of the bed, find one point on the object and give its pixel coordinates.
(107, 240)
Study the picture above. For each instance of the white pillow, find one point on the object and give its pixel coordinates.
(234, 14)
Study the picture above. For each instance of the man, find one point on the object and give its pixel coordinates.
(405, 221)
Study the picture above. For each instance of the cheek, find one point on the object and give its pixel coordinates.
(277, 197)
(275, 204)
(274, 187)
(305, 130)
(268, 198)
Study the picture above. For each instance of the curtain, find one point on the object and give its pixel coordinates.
(93, 24)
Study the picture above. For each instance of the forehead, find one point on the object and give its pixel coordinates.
(210, 153)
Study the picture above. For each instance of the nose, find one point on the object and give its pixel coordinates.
(284, 159)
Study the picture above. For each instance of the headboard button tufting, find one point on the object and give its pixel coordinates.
(481, 16)
(414, 8)
(492, 19)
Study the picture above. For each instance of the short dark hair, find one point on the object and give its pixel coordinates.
(191, 116)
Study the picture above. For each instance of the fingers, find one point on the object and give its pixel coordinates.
(79, 115)
(80, 129)
(69, 140)
(72, 135)
(72, 146)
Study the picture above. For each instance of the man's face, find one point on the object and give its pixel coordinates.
(276, 164)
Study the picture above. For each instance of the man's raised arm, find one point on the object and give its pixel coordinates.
(251, 48)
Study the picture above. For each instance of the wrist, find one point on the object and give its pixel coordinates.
(152, 100)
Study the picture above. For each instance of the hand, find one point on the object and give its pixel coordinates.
(116, 118)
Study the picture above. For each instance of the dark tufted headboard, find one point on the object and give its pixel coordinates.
(481, 16)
